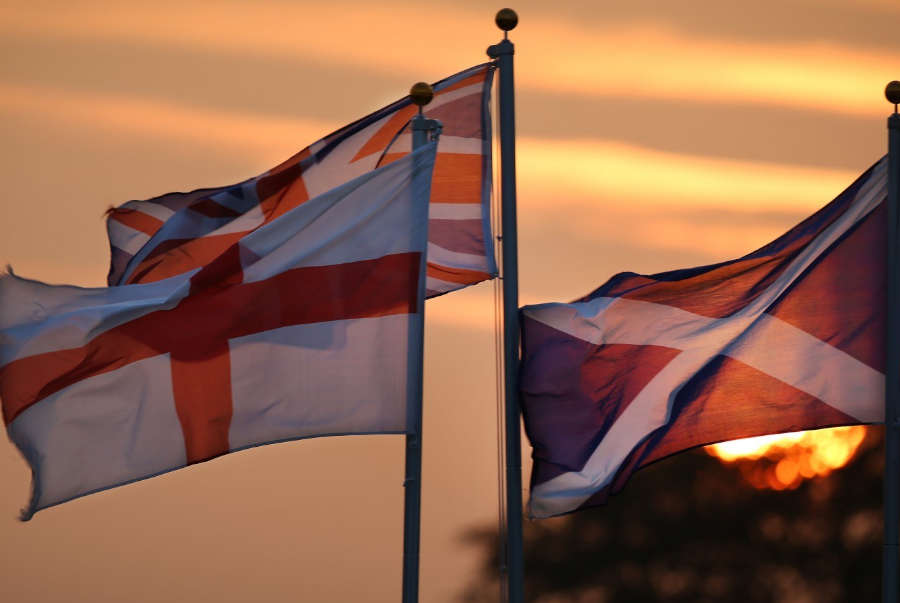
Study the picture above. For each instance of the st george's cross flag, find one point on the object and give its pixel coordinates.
(311, 325)
(178, 232)
(787, 338)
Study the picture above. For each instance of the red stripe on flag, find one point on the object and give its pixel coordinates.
(472, 79)
(177, 256)
(202, 322)
(383, 137)
(201, 386)
(281, 191)
(456, 275)
(135, 219)
(456, 177)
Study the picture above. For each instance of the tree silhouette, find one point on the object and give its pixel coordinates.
(691, 529)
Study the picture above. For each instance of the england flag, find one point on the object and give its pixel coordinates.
(311, 325)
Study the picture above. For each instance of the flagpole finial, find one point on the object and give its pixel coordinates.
(506, 19)
(421, 94)
(892, 93)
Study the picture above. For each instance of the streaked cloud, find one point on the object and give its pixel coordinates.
(561, 170)
(861, 23)
(647, 61)
(786, 136)
(248, 133)
(655, 62)
(554, 173)
(292, 87)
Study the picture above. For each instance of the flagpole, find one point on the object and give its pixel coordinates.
(421, 94)
(889, 581)
(506, 20)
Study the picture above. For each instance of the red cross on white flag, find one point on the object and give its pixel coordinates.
(304, 327)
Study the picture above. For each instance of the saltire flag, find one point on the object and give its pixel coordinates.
(308, 326)
(787, 338)
(178, 232)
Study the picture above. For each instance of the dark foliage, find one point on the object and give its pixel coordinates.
(690, 529)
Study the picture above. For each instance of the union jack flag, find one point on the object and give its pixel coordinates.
(787, 338)
(179, 232)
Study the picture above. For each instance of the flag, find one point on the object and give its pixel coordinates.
(310, 325)
(787, 338)
(178, 232)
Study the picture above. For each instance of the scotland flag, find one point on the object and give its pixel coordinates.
(788, 338)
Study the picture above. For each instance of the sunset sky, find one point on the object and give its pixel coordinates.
(651, 135)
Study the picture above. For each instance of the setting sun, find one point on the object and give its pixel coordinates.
(791, 458)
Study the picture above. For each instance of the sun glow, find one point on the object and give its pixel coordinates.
(785, 460)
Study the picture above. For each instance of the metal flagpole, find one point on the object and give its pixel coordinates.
(889, 580)
(506, 20)
(421, 94)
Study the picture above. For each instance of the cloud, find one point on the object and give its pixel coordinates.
(656, 62)
(638, 60)
(246, 133)
(552, 173)
(867, 23)
(292, 87)
(559, 173)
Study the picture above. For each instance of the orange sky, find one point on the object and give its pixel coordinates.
(652, 135)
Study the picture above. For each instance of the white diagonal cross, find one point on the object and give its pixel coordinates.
(750, 336)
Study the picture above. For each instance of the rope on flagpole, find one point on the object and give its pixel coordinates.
(498, 364)
(506, 19)
(890, 587)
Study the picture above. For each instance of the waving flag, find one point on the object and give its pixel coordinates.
(178, 232)
(303, 328)
(790, 337)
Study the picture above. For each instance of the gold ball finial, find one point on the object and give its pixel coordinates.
(506, 19)
(892, 92)
(421, 93)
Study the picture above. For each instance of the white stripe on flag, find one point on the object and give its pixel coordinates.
(436, 285)
(455, 211)
(104, 430)
(442, 98)
(455, 259)
(126, 238)
(325, 378)
(156, 210)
